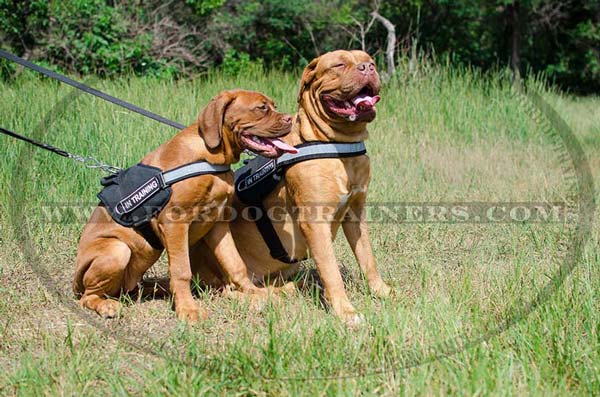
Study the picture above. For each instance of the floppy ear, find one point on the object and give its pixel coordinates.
(210, 121)
(308, 76)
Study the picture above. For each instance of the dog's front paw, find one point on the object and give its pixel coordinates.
(289, 288)
(261, 292)
(354, 320)
(346, 312)
(256, 298)
(108, 308)
(382, 290)
(190, 312)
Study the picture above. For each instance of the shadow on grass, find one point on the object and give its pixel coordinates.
(306, 282)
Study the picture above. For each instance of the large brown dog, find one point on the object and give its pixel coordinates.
(113, 258)
(336, 101)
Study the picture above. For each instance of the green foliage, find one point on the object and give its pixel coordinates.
(270, 30)
(576, 63)
(21, 22)
(91, 37)
(88, 36)
(204, 7)
(235, 62)
(184, 37)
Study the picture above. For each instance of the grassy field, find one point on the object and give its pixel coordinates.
(441, 135)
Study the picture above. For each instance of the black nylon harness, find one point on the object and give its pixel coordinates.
(260, 176)
(137, 194)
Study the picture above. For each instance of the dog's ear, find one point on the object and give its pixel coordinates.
(210, 121)
(308, 76)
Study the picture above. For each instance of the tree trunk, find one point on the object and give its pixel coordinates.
(391, 42)
(515, 50)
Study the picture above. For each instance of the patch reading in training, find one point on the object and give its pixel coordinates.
(257, 179)
(135, 195)
(137, 198)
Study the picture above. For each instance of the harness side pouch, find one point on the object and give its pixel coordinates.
(255, 180)
(135, 195)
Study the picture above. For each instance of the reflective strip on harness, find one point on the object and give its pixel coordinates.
(191, 170)
(260, 176)
(322, 150)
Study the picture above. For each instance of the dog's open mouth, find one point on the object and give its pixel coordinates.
(362, 105)
(267, 147)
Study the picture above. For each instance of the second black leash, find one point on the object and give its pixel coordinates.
(89, 162)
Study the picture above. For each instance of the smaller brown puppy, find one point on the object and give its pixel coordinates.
(113, 258)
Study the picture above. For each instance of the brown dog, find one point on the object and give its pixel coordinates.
(113, 258)
(337, 95)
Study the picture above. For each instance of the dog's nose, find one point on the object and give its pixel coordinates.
(287, 119)
(366, 67)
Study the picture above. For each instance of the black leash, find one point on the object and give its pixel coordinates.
(89, 162)
(89, 90)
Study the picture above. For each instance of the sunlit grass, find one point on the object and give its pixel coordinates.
(441, 135)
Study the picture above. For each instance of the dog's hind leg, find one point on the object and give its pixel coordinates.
(103, 277)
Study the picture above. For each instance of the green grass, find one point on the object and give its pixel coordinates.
(441, 134)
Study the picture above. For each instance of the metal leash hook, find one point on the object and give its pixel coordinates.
(94, 163)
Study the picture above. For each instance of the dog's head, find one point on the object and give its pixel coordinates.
(341, 88)
(245, 120)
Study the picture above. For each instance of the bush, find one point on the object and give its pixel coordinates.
(236, 62)
(187, 37)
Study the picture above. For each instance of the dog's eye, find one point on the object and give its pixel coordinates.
(339, 65)
(262, 108)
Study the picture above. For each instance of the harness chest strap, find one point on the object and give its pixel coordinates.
(251, 178)
(268, 174)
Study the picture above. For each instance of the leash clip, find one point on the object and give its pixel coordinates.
(94, 163)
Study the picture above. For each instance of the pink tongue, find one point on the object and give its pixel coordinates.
(365, 102)
(282, 145)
